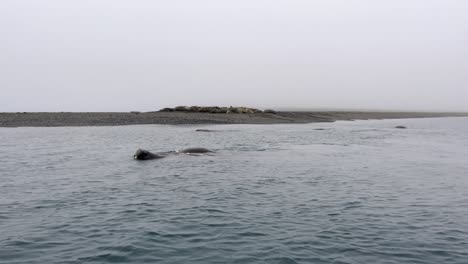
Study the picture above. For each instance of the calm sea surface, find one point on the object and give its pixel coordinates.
(353, 192)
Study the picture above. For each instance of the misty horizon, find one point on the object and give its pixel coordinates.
(118, 56)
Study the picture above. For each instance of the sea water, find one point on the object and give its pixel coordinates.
(343, 192)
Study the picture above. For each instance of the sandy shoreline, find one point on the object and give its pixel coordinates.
(183, 118)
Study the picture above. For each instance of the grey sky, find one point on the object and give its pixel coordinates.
(115, 55)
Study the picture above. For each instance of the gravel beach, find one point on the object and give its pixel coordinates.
(53, 119)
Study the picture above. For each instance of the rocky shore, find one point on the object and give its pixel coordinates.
(187, 117)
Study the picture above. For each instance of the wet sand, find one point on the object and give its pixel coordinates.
(187, 118)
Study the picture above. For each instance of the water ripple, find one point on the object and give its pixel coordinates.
(356, 192)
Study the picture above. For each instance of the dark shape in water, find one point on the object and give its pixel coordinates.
(194, 151)
(142, 154)
(400, 127)
(205, 130)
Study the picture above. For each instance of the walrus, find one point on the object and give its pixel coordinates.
(194, 151)
(206, 130)
(142, 154)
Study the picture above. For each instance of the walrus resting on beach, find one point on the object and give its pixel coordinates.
(142, 154)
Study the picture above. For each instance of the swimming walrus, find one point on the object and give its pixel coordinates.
(142, 154)
(206, 130)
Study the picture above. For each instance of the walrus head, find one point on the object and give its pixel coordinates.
(142, 154)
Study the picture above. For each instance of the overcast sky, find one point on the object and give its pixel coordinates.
(116, 55)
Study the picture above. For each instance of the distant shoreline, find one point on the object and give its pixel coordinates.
(59, 119)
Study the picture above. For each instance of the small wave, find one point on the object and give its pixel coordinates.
(105, 257)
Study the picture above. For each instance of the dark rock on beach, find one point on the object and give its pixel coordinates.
(167, 109)
(269, 111)
(181, 108)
